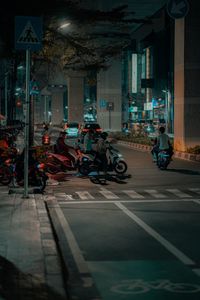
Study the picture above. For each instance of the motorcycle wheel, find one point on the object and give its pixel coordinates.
(162, 165)
(84, 169)
(5, 175)
(120, 167)
(52, 170)
(42, 182)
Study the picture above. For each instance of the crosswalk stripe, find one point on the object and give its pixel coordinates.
(84, 195)
(133, 194)
(108, 194)
(69, 197)
(178, 193)
(60, 195)
(195, 190)
(155, 194)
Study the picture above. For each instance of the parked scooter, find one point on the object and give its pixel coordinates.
(90, 163)
(12, 170)
(56, 163)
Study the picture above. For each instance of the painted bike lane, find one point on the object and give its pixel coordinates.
(124, 259)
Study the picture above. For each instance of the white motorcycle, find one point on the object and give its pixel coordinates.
(90, 163)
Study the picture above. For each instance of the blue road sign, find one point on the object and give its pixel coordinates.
(34, 88)
(177, 9)
(28, 33)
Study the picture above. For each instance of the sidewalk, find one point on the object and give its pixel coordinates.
(30, 266)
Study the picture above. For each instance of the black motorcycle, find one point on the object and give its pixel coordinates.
(163, 159)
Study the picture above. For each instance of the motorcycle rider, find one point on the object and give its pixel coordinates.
(162, 142)
(62, 148)
(88, 141)
(101, 149)
(46, 139)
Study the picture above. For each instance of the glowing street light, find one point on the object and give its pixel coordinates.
(64, 25)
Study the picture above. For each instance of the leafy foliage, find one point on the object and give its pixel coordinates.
(194, 150)
(93, 37)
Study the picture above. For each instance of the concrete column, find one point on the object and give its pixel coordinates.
(75, 97)
(57, 107)
(186, 79)
(109, 90)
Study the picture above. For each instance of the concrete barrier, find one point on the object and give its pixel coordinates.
(147, 148)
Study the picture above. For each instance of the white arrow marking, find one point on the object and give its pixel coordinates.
(177, 8)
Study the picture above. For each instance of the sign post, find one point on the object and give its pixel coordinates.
(110, 107)
(177, 9)
(26, 138)
(28, 36)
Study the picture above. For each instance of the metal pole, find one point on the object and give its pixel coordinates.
(6, 96)
(109, 118)
(26, 138)
(45, 116)
(166, 111)
(31, 121)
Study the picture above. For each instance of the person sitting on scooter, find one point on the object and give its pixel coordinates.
(46, 139)
(162, 142)
(62, 148)
(88, 141)
(101, 149)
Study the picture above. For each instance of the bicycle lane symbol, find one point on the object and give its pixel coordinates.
(145, 280)
(140, 286)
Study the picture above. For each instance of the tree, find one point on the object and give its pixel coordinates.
(94, 37)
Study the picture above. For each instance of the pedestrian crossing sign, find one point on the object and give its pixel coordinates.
(28, 33)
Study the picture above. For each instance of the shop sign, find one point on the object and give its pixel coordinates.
(148, 106)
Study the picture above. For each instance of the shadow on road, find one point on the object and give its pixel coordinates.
(102, 179)
(184, 171)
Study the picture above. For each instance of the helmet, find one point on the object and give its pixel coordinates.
(104, 135)
(162, 129)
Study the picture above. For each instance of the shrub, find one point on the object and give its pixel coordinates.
(194, 150)
(133, 137)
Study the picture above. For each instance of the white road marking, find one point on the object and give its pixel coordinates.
(196, 200)
(69, 197)
(76, 252)
(155, 194)
(125, 201)
(60, 195)
(178, 193)
(108, 194)
(84, 195)
(170, 247)
(195, 190)
(133, 194)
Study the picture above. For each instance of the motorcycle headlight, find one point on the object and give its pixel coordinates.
(119, 155)
(84, 159)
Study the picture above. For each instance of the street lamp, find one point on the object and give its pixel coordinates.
(64, 25)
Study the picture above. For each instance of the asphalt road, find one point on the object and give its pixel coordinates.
(130, 238)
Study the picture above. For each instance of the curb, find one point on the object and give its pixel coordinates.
(177, 154)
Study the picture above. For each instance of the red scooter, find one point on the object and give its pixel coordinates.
(56, 163)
